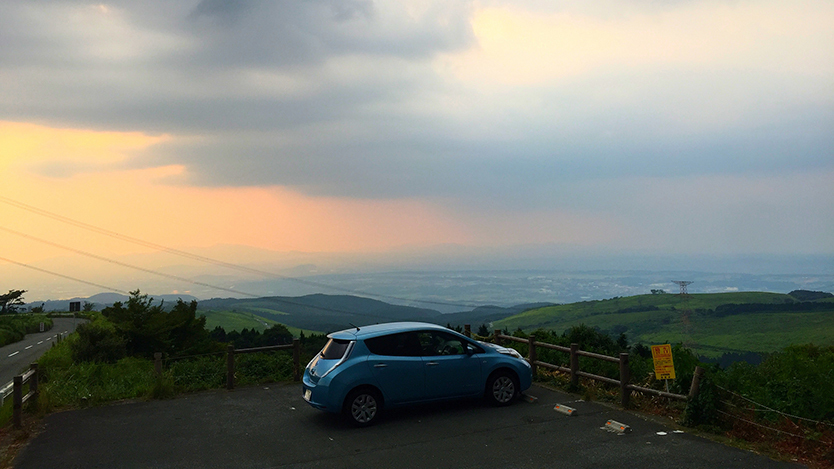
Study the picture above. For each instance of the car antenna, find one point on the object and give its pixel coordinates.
(354, 325)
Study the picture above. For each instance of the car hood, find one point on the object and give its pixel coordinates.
(496, 347)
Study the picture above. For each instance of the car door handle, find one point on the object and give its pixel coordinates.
(380, 365)
(432, 364)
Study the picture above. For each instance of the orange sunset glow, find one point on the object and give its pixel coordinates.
(377, 136)
(155, 204)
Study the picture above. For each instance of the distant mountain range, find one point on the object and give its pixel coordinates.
(102, 300)
(316, 312)
(327, 313)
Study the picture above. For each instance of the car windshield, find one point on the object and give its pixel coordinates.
(334, 349)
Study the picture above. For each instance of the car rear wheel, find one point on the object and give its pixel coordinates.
(501, 388)
(363, 407)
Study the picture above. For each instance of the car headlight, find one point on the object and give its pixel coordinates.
(512, 352)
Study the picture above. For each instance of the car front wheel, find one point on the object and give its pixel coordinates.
(363, 407)
(501, 388)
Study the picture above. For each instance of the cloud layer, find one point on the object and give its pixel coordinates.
(532, 115)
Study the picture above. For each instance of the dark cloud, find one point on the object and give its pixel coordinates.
(342, 98)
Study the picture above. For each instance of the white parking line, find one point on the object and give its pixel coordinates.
(13, 354)
(40, 342)
(27, 348)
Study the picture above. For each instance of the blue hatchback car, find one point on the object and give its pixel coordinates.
(363, 370)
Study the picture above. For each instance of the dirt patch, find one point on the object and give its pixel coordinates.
(13, 440)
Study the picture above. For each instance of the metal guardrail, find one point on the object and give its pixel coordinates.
(6, 391)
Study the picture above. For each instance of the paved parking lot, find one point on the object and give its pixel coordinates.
(272, 427)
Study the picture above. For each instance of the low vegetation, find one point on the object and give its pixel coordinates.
(13, 327)
(111, 357)
(712, 325)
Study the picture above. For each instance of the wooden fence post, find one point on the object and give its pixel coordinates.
(17, 405)
(467, 330)
(531, 354)
(230, 367)
(624, 379)
(696, 382)
(497, 339)
(574, 365)
(296, 359)
(157, 363)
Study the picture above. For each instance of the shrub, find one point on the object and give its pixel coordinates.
(796, 380)
(702, 409)
(13, 327)
(198, 373)
(98, 341)
(264, 367)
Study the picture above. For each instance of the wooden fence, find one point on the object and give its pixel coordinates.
(230, 360)
(15, 388)
(575, 373)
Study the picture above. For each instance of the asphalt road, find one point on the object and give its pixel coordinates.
(16, 357)
(272, 427)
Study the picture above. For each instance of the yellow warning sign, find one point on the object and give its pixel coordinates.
(664, 368)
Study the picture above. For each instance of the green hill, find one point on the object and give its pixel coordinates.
(711, 324)
(317, 312)
(327, 313)
(237, 321)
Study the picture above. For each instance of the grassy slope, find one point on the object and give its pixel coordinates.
(759, 332)
(237, 321)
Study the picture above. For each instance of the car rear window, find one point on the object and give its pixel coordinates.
(334, 349)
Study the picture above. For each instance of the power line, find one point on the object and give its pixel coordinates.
(123, 264)
(216, 262)
(162, 274)
(63, 276)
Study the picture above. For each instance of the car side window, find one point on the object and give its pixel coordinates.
(404, 344)
(440, 343)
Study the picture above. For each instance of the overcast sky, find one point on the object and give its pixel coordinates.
(365, 126)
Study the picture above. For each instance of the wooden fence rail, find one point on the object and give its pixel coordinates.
(15, 388)
(575, 373)
(230, 360)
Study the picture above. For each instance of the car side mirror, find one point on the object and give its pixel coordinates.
(470, 350)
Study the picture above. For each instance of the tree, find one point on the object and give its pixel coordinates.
(11, 301)
(98, 341)
(483, 331)
(218, 334)
(148, 328)
(278, 334)
(622, 341)
(88, 306)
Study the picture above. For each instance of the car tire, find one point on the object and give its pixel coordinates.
(363, 407)
(501, 388)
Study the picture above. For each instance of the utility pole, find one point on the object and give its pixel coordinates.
(682, 284)
(686, 313)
